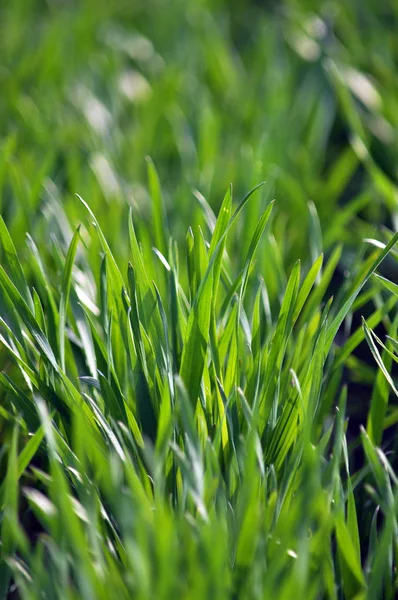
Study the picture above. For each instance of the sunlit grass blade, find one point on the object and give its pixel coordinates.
(358, 336)
(158, 213)
(376, 355)
(389, 285)
(197, 337)
(10, 258)
(27, 317)
(380, 395)
(335, 324)
(65, 291)
(253, 246)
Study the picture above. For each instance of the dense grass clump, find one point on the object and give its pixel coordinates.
(197, 380)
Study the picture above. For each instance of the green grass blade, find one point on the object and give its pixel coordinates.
(389, 285)
(10, 258)
(334, 326)
(376, 355)
(158, 213)
(197, 338)
(65, 291)
(27, 317)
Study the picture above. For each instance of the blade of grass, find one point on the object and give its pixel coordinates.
(65, 291)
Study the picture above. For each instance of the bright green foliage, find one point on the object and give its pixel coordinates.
(198, 391)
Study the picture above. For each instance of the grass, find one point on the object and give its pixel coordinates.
(198, 382)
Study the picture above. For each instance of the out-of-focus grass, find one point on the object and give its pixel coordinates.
(173, 388)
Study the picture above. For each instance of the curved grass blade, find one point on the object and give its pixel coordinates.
(376, 355)
(27, 317)
(10, 258)
(337, 321)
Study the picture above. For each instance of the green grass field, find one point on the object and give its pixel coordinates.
(198, 300)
